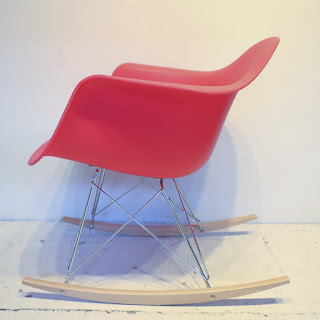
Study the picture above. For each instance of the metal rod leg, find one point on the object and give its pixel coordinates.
(194, 237)
(76, 243)
(186, 201)
(96, 199)
(178, 206)
(185, 237)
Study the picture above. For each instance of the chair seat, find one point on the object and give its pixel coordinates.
(152, 121)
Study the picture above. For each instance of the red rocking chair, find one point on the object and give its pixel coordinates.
(152, 122)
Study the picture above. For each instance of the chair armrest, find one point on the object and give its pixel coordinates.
(234, 77)
(162, 74)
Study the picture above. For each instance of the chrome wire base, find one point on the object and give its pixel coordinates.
(97, 183)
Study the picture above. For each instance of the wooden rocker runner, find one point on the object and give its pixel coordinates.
(161, 230)
(151, 122)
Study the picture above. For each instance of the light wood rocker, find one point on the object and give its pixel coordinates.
(151, 122)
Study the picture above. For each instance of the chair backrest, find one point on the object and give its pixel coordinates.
(152, 121)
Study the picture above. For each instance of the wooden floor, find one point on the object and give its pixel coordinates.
(244, 253)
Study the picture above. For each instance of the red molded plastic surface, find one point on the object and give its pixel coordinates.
(151, 121)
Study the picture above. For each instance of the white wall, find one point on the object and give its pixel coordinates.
(267, 159)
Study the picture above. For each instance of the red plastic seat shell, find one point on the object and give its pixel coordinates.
(151, 121)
